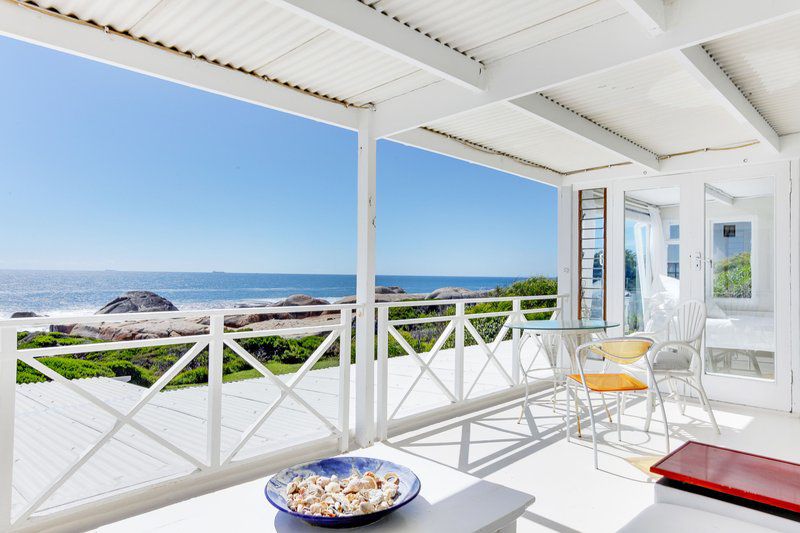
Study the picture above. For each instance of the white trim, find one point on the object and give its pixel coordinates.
(754, 250)
(364, 24)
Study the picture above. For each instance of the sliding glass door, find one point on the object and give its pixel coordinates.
(720, 237)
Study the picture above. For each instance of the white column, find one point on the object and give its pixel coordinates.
(566, 251)
(8, 384)
(214, 426)
(365, 282)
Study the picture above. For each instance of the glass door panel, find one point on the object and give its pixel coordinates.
(652, 259)
(740, 278)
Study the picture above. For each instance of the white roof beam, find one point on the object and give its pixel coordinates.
(573, 124)
(648, 13)
(26, 24)
(364, 24)
(697, 61)
(441, 144)
(617, 41)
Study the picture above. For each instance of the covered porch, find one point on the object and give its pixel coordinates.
(671, 133)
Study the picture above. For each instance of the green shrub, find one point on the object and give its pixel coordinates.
(733, 277)
(139, 375)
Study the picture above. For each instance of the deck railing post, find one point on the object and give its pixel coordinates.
(383, 373)
(215, 348)
(459, 350)
(344, 378)
(8, 385)
(516, 308)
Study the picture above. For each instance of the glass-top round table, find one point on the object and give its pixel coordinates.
(571, 332)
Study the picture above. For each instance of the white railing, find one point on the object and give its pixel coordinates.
(216, 339)
(456, 324)
(217, 460)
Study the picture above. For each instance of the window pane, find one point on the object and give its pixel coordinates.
(674, 232)
(732, 269)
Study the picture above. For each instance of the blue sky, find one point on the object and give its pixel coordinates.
(103, 168)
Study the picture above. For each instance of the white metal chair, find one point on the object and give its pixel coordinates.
(623, 352)
(678, 359)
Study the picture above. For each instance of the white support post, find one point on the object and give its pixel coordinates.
(516, 307)
(8, 385)
(459, 351)
(566, 250)
(383, 373)
(214, 428)
(365, 282)
(344, 379)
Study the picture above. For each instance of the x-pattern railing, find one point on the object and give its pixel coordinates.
(214, 341)
(456, 325)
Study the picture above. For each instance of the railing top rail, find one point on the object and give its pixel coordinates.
(427, 303)
(162, 315)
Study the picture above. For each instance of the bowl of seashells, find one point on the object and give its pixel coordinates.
(342, 492)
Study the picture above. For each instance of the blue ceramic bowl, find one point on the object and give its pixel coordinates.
(343, 467)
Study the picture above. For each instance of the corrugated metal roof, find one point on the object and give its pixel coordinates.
(257, 37)
(488, 30)
(503, 128)
(654, 103)
(765, 64)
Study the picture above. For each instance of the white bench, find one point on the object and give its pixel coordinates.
(449, 501)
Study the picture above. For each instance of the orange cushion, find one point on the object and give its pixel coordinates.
(610, 382)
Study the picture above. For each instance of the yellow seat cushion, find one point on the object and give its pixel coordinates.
(610, 382)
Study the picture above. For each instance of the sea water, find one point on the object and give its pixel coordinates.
(59, 293)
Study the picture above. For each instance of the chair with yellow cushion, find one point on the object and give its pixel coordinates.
(621, 351)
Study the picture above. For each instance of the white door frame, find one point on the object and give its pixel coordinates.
(775, 394)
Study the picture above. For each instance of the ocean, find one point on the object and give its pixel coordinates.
(59, 293)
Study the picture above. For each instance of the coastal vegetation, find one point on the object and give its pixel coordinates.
(143, 366)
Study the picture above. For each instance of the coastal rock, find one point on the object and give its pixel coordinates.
(25, 314)
(141, 329)
(456, 293)
(137, 302)
(296, 300)
(386, 297)
(389, 290)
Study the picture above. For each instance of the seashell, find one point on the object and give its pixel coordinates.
(291, 488)
(353, 486)
(390, 491)
(391, 477)
(322, 481)
(382, 506)
(368, 482)
(375, 496)
(366, 507)
(333, 487)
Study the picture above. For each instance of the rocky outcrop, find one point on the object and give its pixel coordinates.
(389, 290)
(137, 302)
(389, 297)
(25, 314)
(141, 329)
(456, 293)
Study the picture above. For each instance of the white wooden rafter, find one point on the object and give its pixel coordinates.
(703, 67)
(364, 24)
(615, 42)
(650, 14)
(584, 129)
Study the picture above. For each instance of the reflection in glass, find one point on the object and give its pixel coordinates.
(740, 295)
(652, 259)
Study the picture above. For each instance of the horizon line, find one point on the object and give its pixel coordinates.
(523, 276)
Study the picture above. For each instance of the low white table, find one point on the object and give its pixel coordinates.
(449, 501)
